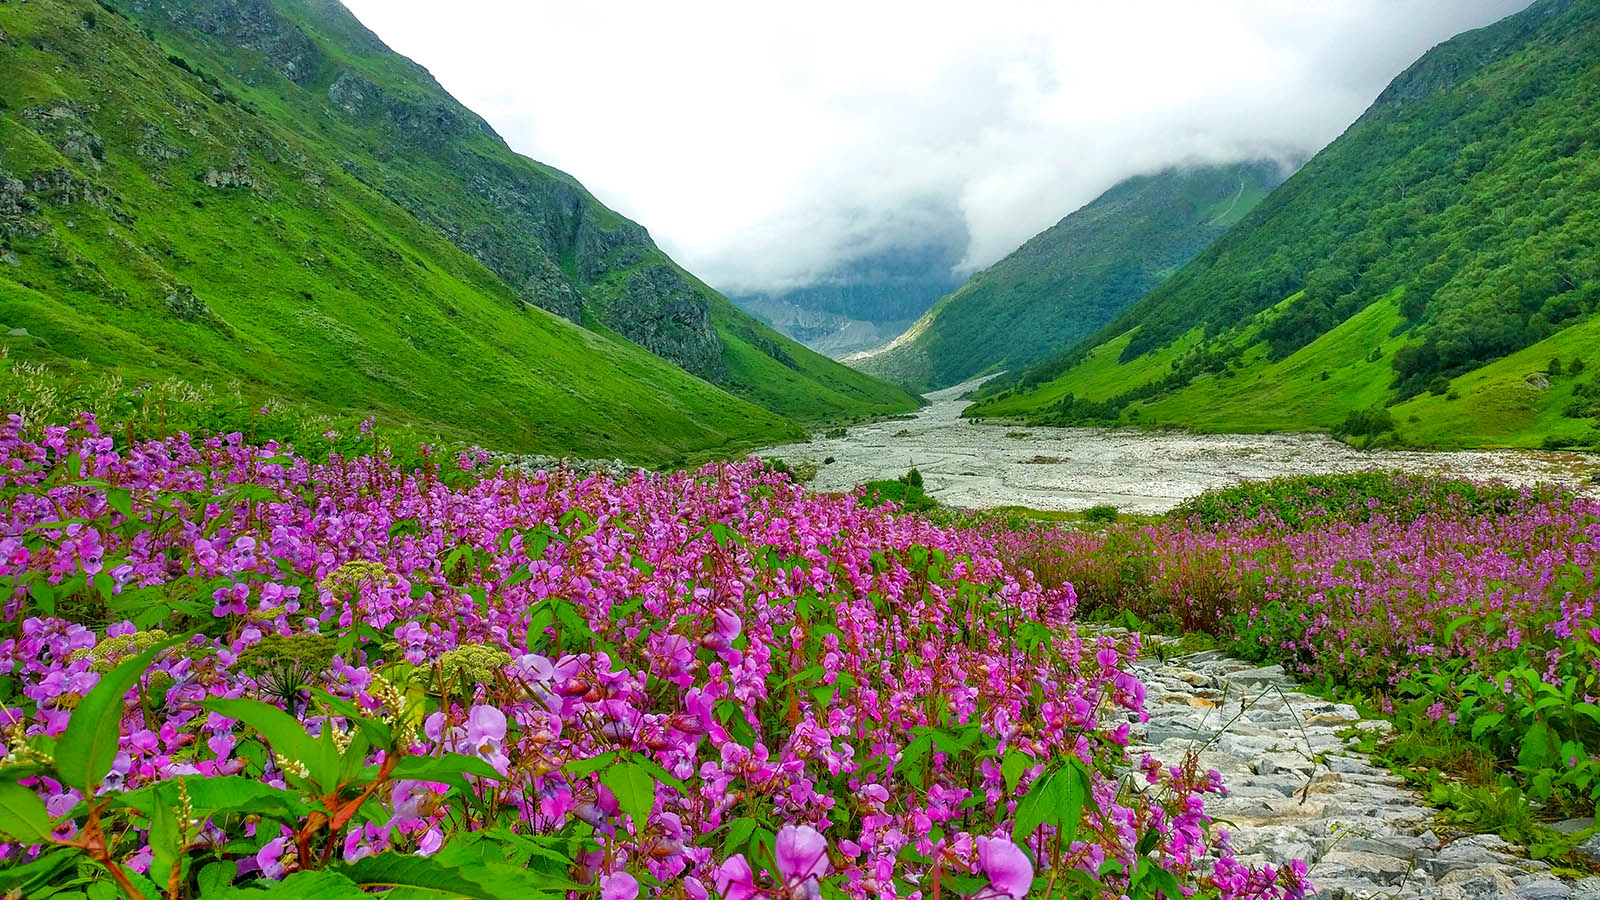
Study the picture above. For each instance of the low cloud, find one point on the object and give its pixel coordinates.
(766, 145)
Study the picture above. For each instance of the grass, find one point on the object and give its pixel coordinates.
(1345, 370)
(1496, 405)
(1313, 388)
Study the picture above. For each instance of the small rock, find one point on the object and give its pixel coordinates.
(1544, 888)
(1260, 677)
(1589, 851)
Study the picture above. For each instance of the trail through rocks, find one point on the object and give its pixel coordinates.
(1296, 790)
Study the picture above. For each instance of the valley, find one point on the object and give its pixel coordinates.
(385, 513)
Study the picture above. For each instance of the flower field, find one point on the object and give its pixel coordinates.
(231, 671)
(1470, 607)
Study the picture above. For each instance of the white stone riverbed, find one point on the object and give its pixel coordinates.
(979, 465)
(1296, 790)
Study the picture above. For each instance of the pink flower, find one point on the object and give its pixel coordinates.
(802, 856)
(619, 886)
(734, 879)
(1009, 872)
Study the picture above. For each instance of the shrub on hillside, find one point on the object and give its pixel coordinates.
(1366, 423)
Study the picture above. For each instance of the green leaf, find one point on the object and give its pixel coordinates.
(1069, 799)
(165, 835)
(420, 875)
(217, 877)
(313, 885)
(635, 790)
(286, 735)
(378, 733)
(444, 768)
(739, 832)
(121, 500)
(1484, 723)
(21, 878)
(1034, 809)
(1535, 751)
(578, 768)
(1013, 766)
(23, 816)
(43, 595)
(89, 745)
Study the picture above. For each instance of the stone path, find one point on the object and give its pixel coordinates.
(1297, 791)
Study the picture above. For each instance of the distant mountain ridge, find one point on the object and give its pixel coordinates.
(291, 132)
(1073, 277)
(865, 302)
(1430, 277)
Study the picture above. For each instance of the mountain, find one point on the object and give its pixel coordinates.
(1072, 278)
(260, 191)
(867, 301)
(1430, 277)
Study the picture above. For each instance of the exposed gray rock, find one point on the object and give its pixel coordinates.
(1361, 832)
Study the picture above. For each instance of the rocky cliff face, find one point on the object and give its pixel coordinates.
(535, 228)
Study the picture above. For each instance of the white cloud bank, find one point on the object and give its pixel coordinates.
(764, 144)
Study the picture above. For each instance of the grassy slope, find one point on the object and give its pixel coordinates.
(1459, 212)
(593, 246)
(1075, 276)
(327, 293)
(1496, 404)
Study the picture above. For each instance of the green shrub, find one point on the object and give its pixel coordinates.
(1366, 423)
(1302, 501)
(1103, 513)
(1439, 386)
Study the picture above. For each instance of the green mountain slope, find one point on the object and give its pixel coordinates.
(254, 191)
(1075, 276)
(1447, 235)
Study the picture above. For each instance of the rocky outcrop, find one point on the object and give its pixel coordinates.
(658, 310)
(16, 210)
(65, 125)
(250, 24)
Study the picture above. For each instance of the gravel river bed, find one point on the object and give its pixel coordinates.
(979, 465)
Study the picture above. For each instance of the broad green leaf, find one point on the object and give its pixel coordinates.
(23, 816)
(43, 595)
(314, 885)
(1484, 723)
(1013, 766)
(739, 831)
(121, 500)
(165, 834)
(23, 878)
(89, 745)
(216, 877)
(578, 768)
(441, 768)
(286, 735)
(635, 790)
(1037, 806)
(416, 874)
(1069, 797)
(1535, 751)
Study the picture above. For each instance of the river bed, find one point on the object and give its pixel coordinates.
(978, 465)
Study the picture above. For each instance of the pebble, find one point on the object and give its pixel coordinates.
(1298, 790)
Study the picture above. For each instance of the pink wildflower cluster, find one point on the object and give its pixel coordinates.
(823, 694)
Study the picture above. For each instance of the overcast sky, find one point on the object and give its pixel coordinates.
(764, 143)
